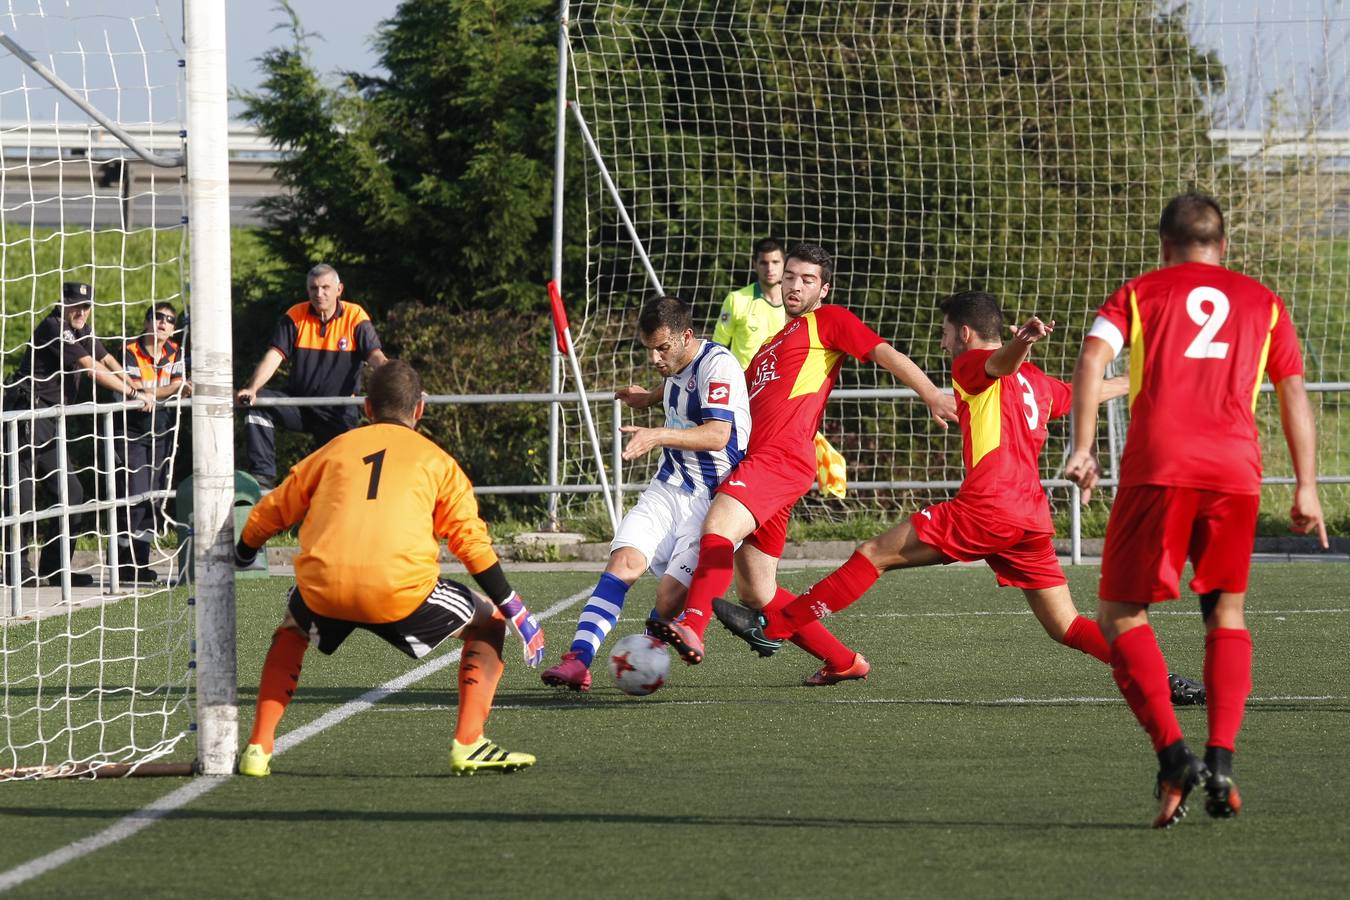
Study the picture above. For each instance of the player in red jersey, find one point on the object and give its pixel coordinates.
(1201, 338)
(790, 379)
(1000, 515)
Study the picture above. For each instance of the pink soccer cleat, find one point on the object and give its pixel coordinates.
(571, 673)
(827, 676)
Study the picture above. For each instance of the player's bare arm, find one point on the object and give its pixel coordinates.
(708, 436)
(942, 406)
(1009, 357)
(1082, 467)
(637, 397)
(1300, 434)
(267, 367)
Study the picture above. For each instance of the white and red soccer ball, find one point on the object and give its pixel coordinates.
(639, 664)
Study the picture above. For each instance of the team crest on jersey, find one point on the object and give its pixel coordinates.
(344, 344)
(693, 383)
(68, 336)
(766, 370)
(719, 392)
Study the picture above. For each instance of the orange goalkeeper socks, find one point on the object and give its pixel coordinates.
(280, 675)
(480, 668)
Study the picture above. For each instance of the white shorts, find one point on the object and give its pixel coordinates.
(665, 527)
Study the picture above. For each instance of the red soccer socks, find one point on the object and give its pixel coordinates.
(834, 592)
(1086, 635)
(812, 637)
(280, 675)
(1228, 681)
(1141, 673)
(711, 579)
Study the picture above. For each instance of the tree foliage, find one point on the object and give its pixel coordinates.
(431, 181)
(1022, 146)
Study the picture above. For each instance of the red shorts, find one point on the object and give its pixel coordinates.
(1020, 557)
(1153, 529)
(769, 484)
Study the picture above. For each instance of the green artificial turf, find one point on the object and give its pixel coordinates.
(979, 759)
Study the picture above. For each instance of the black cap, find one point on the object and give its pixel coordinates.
(76, 293)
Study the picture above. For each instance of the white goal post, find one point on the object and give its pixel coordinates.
(113, 131)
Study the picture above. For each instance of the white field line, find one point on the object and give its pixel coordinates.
(879, 701)
(148, 815)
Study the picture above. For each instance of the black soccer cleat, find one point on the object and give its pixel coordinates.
(1222, 800)
(746, 624)
(1185, 692)
(1175, 785)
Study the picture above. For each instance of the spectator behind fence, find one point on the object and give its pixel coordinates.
(63, 348)
(326, 341)
(147, 439)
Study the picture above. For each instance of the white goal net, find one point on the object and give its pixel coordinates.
(1025, 148)
(96, 646)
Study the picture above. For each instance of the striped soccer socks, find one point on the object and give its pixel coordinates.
(599, 617)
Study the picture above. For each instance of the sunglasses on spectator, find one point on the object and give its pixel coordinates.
(165, 317)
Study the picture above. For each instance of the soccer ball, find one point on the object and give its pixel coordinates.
(639, 664)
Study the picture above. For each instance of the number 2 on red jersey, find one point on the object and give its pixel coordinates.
(1210, 321)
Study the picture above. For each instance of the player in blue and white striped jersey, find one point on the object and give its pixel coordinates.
(704, 436)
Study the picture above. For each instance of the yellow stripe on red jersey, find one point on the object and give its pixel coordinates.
(791, 377)
(1003, 428)
(1201, 340)
(374, 503)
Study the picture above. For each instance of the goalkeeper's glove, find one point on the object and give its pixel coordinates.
(244, 555)
(526, 627)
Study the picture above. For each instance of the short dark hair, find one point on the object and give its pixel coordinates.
(665, 312)
(161, 306)
(766, 245)
(394, 390)
(977, 310)
(816, 255)
(1192, 219)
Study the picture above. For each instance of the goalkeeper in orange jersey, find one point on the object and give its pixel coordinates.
(375, 503)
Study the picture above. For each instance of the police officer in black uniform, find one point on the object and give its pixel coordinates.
(62, 350)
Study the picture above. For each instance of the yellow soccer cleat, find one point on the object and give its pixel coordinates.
(255, 762)
(484, 755)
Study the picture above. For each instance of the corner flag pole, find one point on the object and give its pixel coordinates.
(564, 333)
